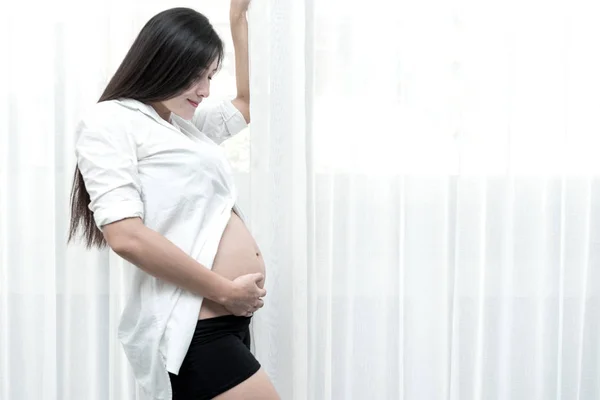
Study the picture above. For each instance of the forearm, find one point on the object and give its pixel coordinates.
(159, 257)
(239, 33)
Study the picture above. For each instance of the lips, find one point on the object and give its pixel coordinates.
(193, 103)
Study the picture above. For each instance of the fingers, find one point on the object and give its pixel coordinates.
(257, 305)
(258, 277)
(239, 313)
(249, 310)
(247, 313)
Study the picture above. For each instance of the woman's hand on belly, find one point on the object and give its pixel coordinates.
(239, 260)
(245, 296)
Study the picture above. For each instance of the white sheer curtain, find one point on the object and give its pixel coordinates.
(425, 187)
(421, 177)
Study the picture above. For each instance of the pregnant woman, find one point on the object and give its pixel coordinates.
(154, 185)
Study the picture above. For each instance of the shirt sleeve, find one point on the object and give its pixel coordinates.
(220, 121)
(107, 159)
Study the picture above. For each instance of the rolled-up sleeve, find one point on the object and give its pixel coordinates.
(107, 159)
(220, 121)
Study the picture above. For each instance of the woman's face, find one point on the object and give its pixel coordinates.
(185, 103)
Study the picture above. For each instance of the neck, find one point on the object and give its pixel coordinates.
(162, 111)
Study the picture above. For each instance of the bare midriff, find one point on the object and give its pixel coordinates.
(237, 255)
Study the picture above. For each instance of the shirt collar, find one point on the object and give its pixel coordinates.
(146, 109)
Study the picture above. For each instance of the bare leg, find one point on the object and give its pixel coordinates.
(257, 387)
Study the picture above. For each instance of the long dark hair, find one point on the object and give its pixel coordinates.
(170, 52)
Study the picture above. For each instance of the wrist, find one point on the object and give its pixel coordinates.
(225, 291)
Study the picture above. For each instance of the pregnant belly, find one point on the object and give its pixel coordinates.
(237, 255)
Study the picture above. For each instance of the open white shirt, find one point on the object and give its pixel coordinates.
(177, 179)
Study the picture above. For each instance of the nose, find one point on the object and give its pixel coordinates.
(203, 88)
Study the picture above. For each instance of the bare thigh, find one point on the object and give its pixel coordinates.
(257, 387)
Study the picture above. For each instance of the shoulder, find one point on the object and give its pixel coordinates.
(106, 114)
(106, 123)
(116, 119)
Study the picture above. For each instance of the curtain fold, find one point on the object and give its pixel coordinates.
(279, 186)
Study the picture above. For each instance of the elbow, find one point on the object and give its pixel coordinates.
(126, 247)
(246, 114)
(123, 237)
(242, 103)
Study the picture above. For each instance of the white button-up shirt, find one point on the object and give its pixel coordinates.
(178, 180)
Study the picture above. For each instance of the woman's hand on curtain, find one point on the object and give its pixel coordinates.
(239, 33)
